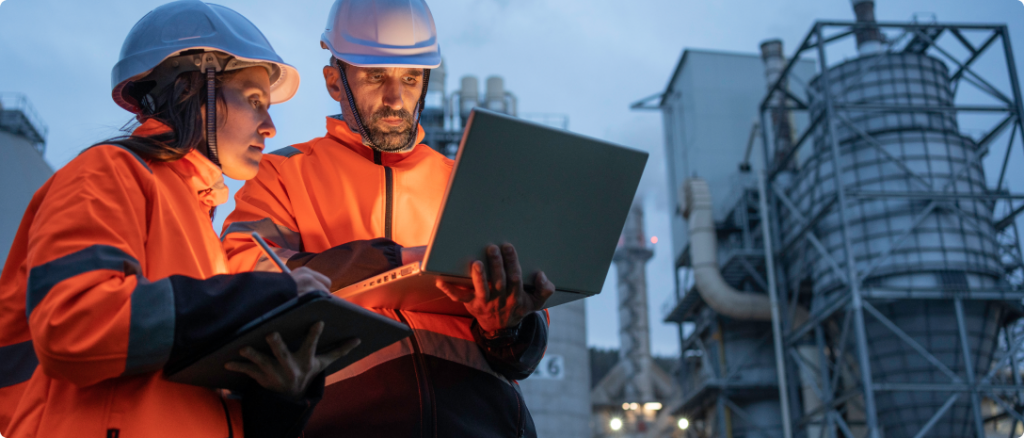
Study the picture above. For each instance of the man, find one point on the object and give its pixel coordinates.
(368, 184)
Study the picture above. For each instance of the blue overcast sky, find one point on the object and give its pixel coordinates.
(588, 59)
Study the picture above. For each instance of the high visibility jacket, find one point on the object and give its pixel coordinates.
(444, 380)
(115, 269)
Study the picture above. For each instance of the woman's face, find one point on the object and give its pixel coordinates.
(243, 122)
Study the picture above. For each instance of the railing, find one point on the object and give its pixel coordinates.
(694, 374)
(18, 117)
(685, 287)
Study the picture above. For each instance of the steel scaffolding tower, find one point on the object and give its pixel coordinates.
(884, 228)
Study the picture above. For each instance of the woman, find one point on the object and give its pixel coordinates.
(116, 268)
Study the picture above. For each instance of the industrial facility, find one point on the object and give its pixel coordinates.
(847, 254)
(23, 170)
(629, 399)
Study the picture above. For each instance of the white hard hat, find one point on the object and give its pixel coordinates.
(194, 36)
(382, 33)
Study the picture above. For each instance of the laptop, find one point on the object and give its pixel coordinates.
(560, 198)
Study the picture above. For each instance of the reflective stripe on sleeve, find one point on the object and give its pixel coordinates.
(43, 278)
(151, 334)
(279, 235)
(17, 363)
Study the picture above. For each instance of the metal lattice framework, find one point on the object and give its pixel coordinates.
(836, 321)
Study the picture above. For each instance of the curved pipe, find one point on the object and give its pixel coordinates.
(704, 258)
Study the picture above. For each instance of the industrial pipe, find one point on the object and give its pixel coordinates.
(869, 37)
(704, 258)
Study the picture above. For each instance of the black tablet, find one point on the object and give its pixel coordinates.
(293, 319)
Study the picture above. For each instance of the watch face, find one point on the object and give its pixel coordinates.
(502, 333)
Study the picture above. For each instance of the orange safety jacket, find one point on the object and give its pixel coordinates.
(445, 380)
(114, 270)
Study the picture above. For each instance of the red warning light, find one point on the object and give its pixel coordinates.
(654, 240)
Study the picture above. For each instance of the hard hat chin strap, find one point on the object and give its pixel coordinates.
(211, 117)
(211, 123)
(359, 120)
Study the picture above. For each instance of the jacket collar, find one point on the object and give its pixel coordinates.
(338, 130)
(204, 177)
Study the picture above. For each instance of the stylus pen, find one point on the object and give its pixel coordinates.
(270, 252)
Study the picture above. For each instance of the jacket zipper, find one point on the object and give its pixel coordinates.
(423, 379)
(521, 431)
(389, 187)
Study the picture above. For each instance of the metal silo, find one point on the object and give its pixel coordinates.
(887, 231)
(917, 242)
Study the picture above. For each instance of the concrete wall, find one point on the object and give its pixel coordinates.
(558, 394)
(22, 172)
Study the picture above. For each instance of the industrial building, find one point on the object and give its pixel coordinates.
(558, 393)
(23, 170)
(848, 263)
(629, 399)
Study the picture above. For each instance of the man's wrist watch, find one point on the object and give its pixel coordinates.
(501, 334)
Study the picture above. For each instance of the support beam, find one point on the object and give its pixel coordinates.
(979, 421)
(938, 415)
(925, 109)
(975, 55)
(851, 266)
(912, 343)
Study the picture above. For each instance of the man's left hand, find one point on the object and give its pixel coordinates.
(497, 298)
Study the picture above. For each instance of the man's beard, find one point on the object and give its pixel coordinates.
(391, 138)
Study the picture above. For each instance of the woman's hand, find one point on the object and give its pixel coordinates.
(287, 372)
(309, 280)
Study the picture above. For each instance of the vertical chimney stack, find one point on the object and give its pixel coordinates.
(869, 38)
(782, 124)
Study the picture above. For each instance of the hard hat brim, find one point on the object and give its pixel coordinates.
(430, 59)
(422, 61)
(282, 90)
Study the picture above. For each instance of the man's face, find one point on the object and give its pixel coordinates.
(386, 98)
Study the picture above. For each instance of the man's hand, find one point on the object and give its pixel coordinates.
(309, 280)
(497, 298)
(289, 373)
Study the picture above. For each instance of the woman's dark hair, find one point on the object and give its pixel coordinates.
(179, 106)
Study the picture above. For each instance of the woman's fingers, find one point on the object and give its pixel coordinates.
(242, 367)
(308, 350)
(320, 278)
(252, 371)
(308, 280)
(261, 360)
(280, 350)
(329, 357)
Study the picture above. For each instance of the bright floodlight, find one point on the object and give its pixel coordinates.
(616, 423)
(625, 406)
(652, 406)
(634, 406)
(684, 423)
